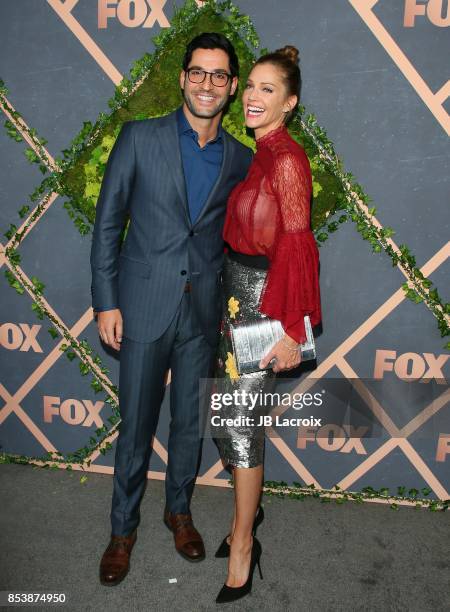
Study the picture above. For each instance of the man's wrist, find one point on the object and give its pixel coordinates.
(104, 309)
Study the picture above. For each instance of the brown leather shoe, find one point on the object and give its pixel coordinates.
(115, 562)
(188, 541)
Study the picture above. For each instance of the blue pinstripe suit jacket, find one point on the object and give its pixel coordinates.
(146, 275)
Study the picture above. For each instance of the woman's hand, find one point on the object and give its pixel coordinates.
(286, 354)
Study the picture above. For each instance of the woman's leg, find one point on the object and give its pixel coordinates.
(240, 445)
(233, 521)
(247, 490)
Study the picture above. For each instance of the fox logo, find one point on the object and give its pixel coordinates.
(410, 366)
(20, 337)
(132, 13)
(433, 9)
(73, 411)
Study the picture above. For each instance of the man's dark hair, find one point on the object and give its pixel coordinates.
(212, 40)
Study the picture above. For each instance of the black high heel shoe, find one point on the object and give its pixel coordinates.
(224, 549)
(227, 594)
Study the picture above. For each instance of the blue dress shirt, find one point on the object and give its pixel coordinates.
(201, 167)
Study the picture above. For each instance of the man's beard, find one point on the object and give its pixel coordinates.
(204, 113)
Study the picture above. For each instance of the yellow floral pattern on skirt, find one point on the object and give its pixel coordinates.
(230, 367)
(233, 307)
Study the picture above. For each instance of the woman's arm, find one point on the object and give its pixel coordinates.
(292, 285)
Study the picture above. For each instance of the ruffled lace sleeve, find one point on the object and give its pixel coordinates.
(292, 284)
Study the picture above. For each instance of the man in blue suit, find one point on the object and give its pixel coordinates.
(157, 298)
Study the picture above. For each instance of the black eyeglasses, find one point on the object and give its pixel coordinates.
(218, 79)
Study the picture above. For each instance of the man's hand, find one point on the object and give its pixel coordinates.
(286, 354)
(110, 327)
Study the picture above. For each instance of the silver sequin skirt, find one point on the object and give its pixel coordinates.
(240, 439)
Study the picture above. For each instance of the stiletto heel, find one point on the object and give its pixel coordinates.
(228, 594)
(259, 568)
(224, 549)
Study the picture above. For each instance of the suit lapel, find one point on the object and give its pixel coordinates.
(224, 169)
(170, 144)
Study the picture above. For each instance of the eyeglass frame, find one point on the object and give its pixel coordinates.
(228, 75)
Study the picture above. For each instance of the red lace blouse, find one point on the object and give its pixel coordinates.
(269, 214)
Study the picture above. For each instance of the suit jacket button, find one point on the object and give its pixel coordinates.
(191, 233)
(183, 273)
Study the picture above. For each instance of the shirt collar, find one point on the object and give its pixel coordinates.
(184, 127)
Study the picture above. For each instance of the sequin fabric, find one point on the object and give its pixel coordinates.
(240, 443)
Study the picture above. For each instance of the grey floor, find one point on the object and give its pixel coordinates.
(315, 556)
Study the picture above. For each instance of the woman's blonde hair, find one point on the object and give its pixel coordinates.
(287, 60)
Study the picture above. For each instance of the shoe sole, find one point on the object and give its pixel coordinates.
(182, 554)
(115, 583)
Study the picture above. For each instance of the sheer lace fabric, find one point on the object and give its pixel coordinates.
(269, 213)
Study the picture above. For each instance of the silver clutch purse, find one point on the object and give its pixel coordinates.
(251, 341)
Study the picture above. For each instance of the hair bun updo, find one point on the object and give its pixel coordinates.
(289, 52)
(287, 61)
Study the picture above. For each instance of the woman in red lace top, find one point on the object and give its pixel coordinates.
(269, 214)
(271, 270)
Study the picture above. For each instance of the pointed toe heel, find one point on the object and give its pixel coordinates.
(228, 594)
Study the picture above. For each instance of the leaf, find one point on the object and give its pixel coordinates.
(38, 284)
(96, 385)
(84, 368)
(332, 227)
(31, 156)
(433, 294)
(53, 332)
(24, 211)
(37, 310)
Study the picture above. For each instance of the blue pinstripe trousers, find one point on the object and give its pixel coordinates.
(184, 349)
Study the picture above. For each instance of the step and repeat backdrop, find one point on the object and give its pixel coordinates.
(376, 75)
